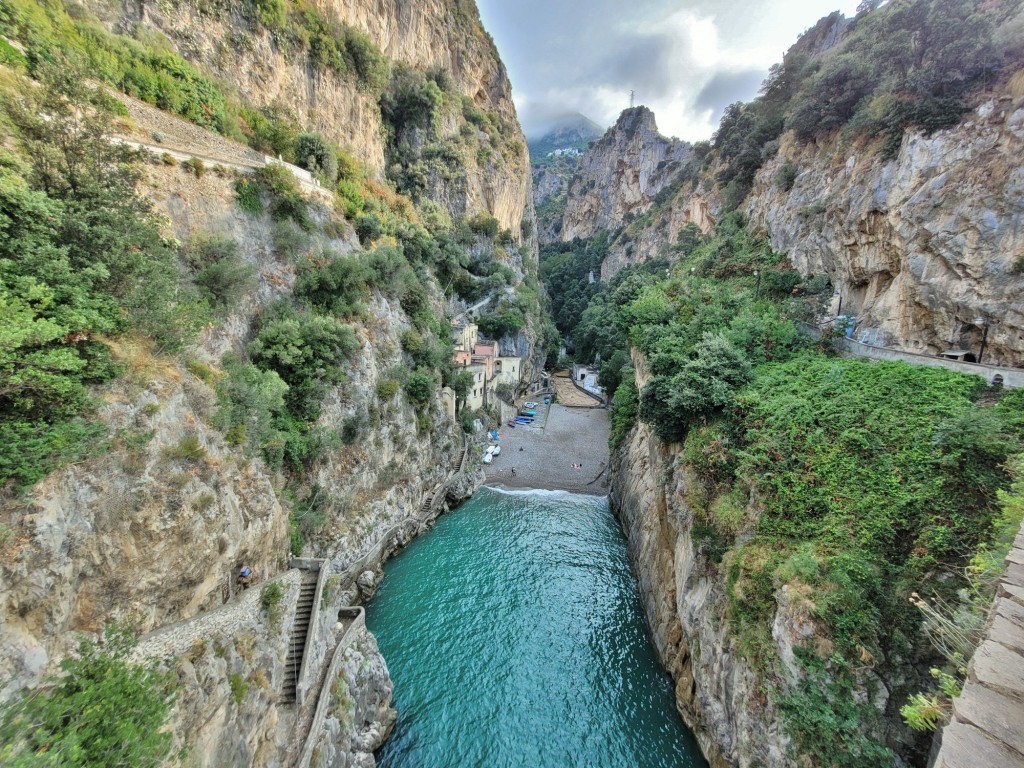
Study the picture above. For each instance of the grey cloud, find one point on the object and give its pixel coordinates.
(567, 54)
(726, 87)
(640, 62)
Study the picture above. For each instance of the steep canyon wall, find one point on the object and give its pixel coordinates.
(152, 531)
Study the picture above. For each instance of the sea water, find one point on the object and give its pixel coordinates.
(515, 637)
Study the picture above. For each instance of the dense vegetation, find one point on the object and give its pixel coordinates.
(81, 258)
(270, 397)
(103, 711)
(851, 484)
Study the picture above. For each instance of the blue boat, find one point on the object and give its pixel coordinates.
(531, 414)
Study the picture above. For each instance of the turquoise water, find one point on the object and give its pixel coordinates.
(515, 637)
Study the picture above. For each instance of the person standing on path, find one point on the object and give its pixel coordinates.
(513, 471)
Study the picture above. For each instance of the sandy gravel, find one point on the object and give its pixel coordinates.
(568, 394)
(559, 438)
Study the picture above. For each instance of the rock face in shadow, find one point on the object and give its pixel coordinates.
(684, 598)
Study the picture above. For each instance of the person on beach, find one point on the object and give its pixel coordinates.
(514, 470)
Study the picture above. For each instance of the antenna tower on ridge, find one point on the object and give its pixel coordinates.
(632, 98)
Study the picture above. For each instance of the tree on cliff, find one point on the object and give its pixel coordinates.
(104, 711)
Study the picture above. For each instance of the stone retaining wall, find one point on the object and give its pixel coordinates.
(987, 727)
(358, 625)
(316, 637)
(176, 639)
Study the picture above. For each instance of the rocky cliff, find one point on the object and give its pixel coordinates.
(152, 531)
(270, 69)
(684, 596)
(917, 247)
(923, 248)
(621, 174)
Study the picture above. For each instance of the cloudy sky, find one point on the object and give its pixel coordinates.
(686, 59)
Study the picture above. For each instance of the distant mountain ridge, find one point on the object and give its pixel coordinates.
(572, 131)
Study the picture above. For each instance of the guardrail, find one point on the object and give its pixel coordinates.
(1012, 378)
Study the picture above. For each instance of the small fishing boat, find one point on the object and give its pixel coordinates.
(495, 450)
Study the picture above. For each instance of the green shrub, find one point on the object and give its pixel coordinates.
(220, 274)
(187, 449)
(337, 285)
(239, 687)
(368, 227)
(104, 710)
(282, 189)
(386, 390)
(420, 386)
(250, 402)
(484, 224)
(194, 166)
(272, 14)
(290, 240)
(272, 602)
(306, 351)
(249, 196)
(786, 175)
(411, 100)
(315, 154)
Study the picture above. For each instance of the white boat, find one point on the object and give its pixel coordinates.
(529, 405)
(495, 450)
(489, 455)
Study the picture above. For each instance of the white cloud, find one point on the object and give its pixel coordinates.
(686, 59)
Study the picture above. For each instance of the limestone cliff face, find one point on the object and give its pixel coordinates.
(619, 176)
(654, 239)
(427, 34)
(918, 246)
(717, 693)
(152, 531)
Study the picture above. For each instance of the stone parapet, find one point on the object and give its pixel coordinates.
(987, 727)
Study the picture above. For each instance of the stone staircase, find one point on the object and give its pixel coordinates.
(300, 629)
(425, 506)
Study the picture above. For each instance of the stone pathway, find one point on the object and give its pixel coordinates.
(987, 728)
(160, 133)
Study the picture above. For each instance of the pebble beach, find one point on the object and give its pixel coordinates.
(560, 438)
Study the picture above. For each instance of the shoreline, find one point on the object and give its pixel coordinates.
(506, 484)
(565, 449)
